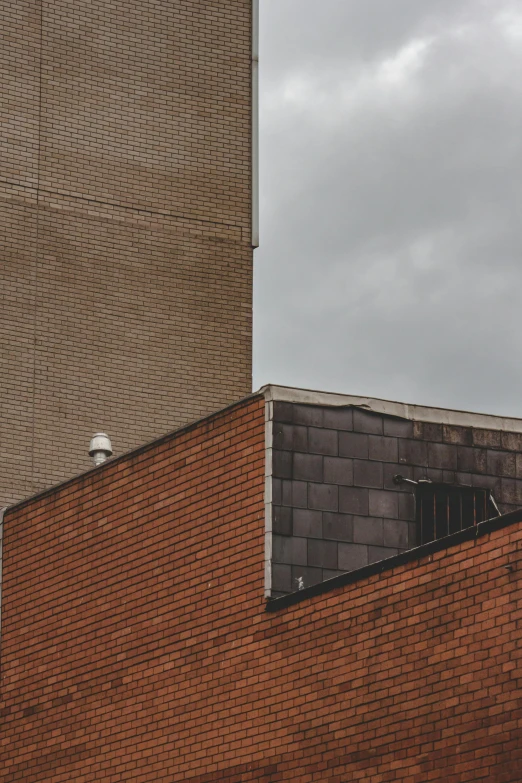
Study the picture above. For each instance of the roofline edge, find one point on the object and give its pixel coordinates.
(401, 410)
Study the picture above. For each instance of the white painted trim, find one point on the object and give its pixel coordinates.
(255, 123)
(399, 409)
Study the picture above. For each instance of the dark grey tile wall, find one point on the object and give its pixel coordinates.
(335, 505)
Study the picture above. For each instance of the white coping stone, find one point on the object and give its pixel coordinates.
(402, 410)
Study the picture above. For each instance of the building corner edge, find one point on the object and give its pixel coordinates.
(269, 417)
(255, 123)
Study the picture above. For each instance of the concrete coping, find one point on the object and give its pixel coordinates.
(400, 410)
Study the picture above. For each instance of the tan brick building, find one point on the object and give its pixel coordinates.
(126, 215)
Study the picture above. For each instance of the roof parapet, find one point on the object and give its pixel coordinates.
(401, 410)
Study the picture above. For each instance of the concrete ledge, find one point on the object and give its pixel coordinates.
(400, 410)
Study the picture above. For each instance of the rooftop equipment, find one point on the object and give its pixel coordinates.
(100, 448)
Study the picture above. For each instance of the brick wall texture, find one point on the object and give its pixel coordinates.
(136, 645)
(335, 504)
(125, 215)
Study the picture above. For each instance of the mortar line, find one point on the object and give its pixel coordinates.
(37, 246)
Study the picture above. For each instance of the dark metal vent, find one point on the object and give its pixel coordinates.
(443, 509)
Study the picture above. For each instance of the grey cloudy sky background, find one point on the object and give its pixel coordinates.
(391, 189)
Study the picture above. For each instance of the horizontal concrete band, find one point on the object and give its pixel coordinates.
(389, 408)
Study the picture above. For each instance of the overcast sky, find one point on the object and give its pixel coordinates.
(391, 200)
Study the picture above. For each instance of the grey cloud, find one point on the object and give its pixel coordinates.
(314, 35)
(390, 261)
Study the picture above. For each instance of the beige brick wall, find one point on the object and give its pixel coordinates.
(125, 215)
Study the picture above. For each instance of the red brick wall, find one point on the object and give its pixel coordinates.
(136, 646)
